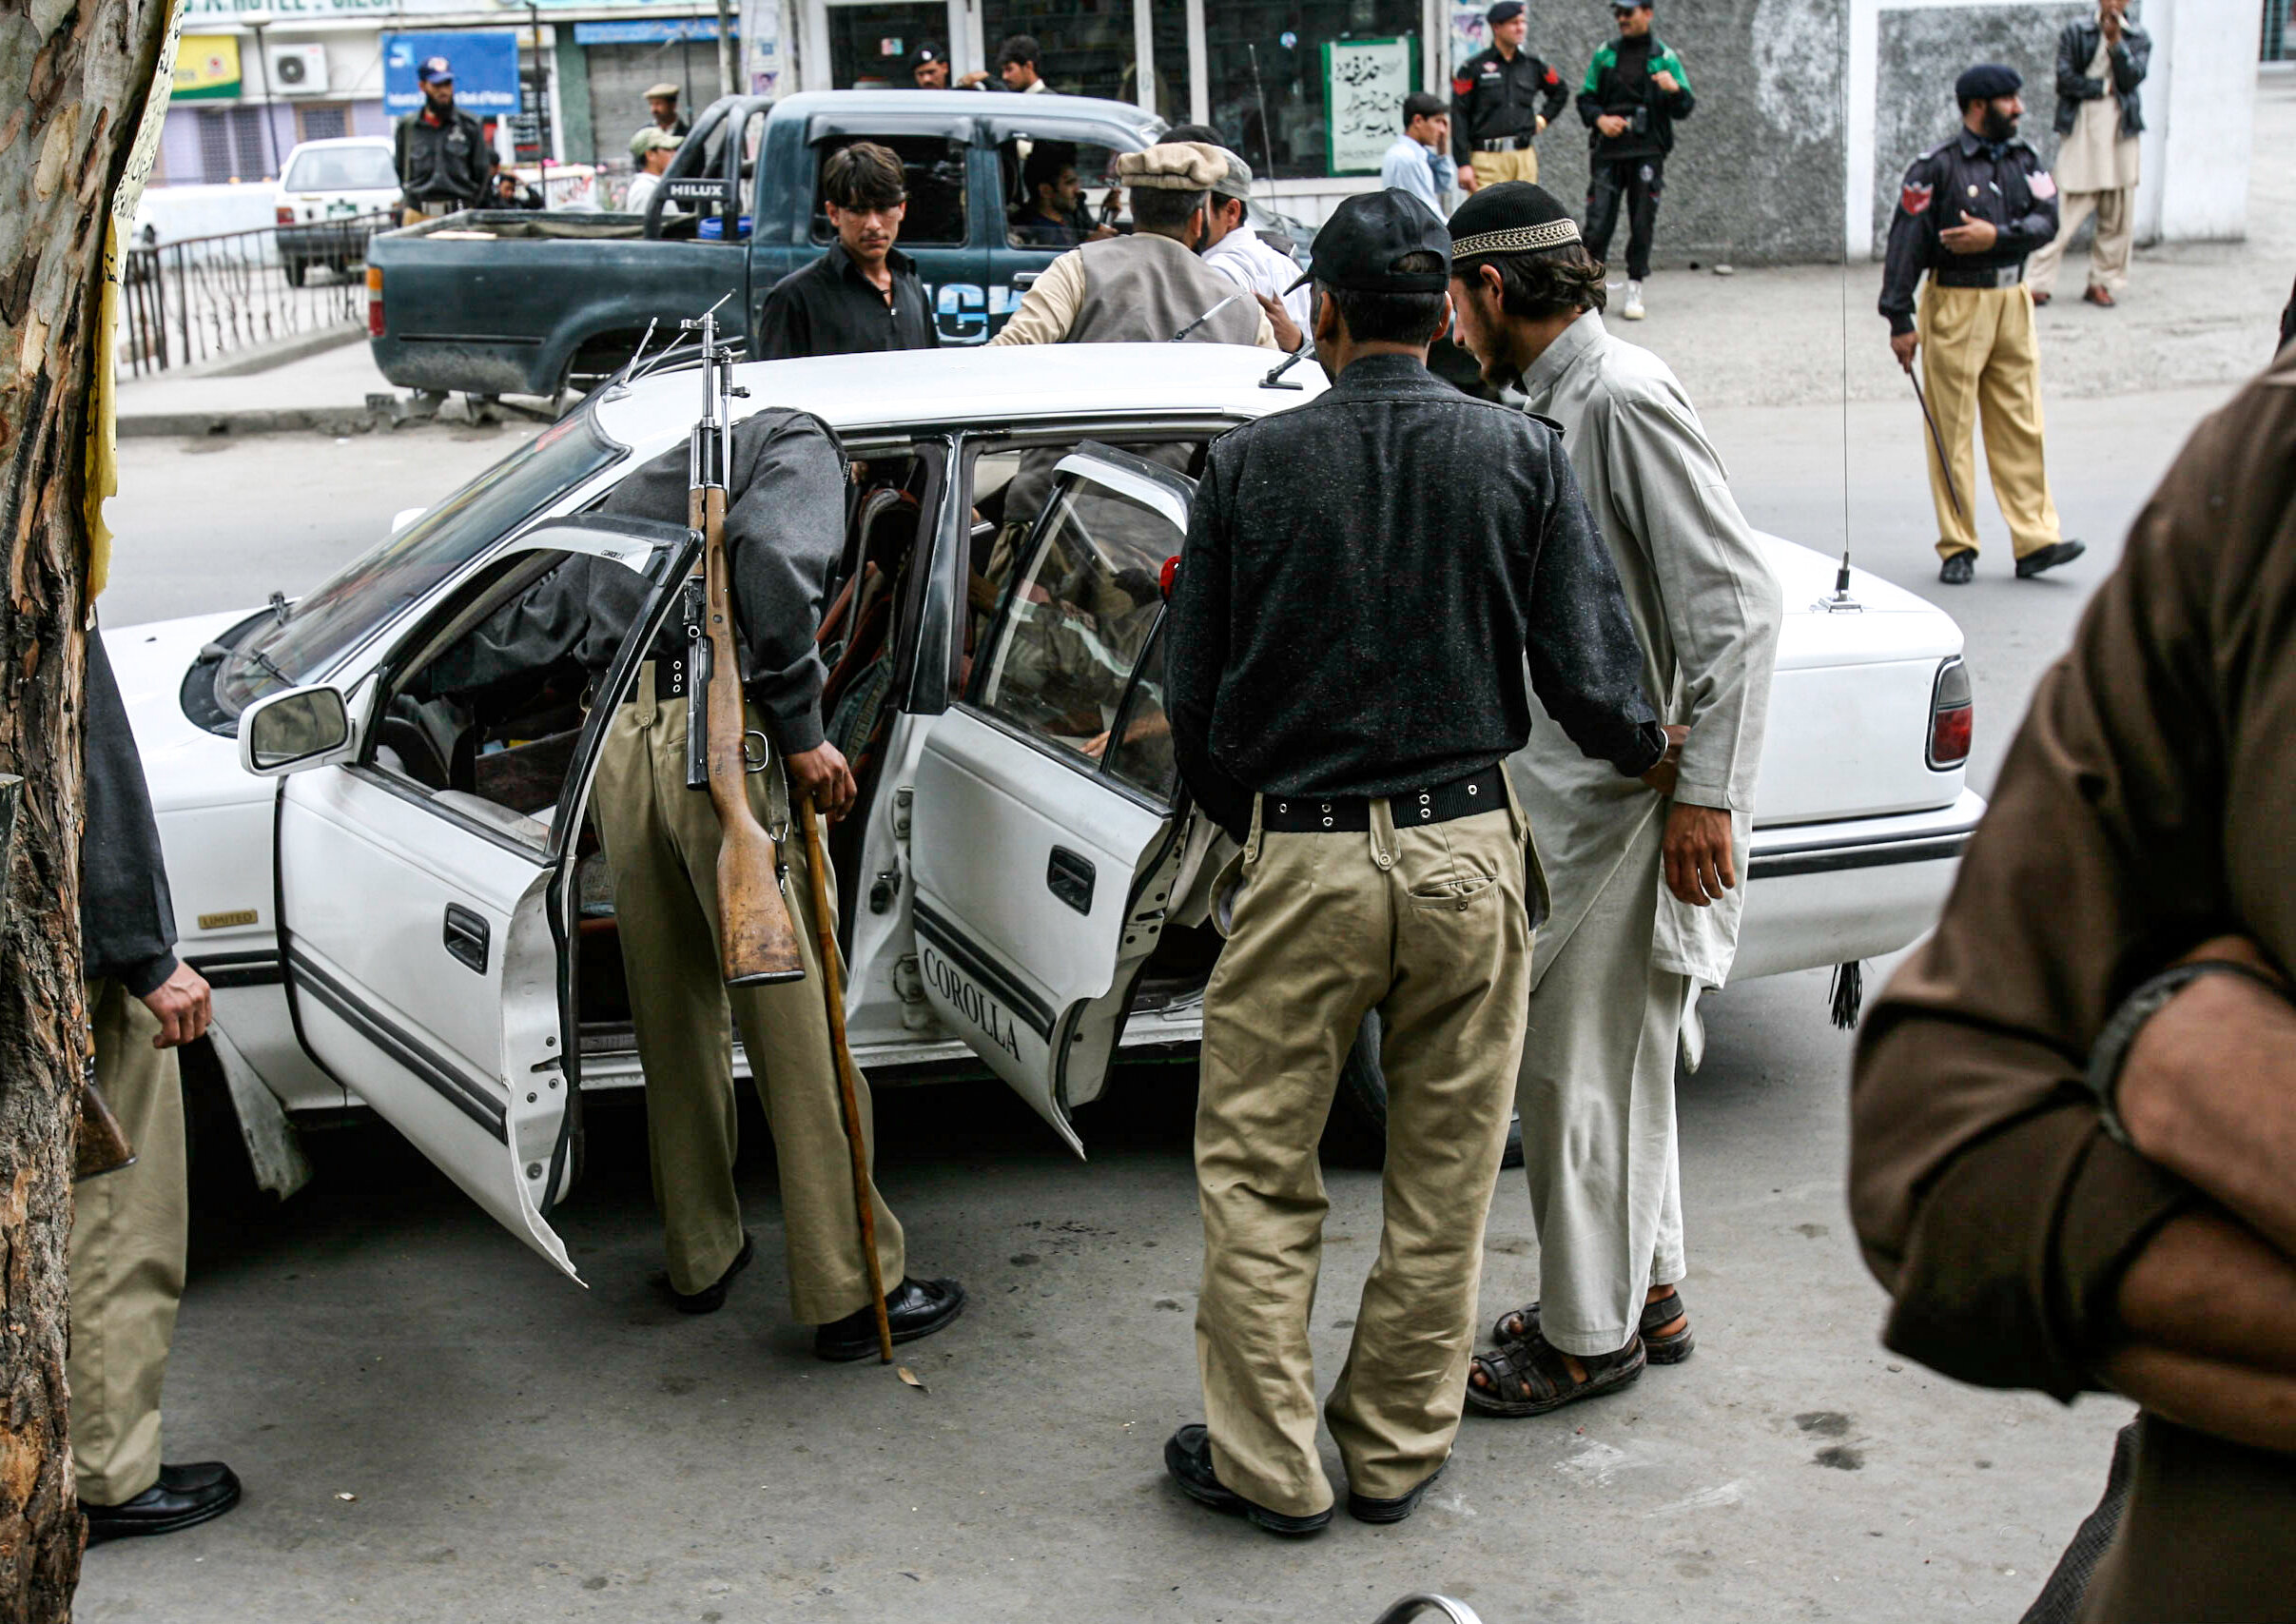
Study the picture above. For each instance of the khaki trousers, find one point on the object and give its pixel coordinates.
(661, 844)
(127, 1257)
(1980, 360)
(1596, 1095)
(2108, 250)
(1429, 926)
(1492, 168)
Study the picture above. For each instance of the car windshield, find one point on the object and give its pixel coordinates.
(340, 614)
(342, 169)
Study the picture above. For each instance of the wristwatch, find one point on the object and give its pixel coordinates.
(2110, 1054)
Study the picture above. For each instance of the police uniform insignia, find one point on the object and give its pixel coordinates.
(2041, 186)
(1914, 198)
(1461, 85)
(1973, 191)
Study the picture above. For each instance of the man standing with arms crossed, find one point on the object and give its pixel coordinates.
(1969, 213)
(1385, 864)
(1501, 99)
(1634, 91)
(1621, 958)
(2101, 60)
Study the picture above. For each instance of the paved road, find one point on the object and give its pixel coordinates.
(519, 1447)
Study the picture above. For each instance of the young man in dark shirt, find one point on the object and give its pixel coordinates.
(863, 293)
(1636, 87)
(1054, 215)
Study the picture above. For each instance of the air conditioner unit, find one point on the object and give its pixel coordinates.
(299, 70)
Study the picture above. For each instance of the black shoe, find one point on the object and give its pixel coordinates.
(1188, 1457)
(183, 1497)
(1362, 1508)
(2048, 557)
(1959, 568)
(713, 1297)
(915, 1307)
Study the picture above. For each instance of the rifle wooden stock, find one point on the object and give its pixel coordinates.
(756, 940)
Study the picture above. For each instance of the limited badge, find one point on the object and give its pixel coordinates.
(2041, 186)
(1914, 199)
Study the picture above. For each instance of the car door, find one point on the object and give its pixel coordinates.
(423, 902)
(1044, 833)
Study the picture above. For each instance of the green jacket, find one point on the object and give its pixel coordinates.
(1606, 92)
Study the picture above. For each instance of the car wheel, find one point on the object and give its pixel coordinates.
(1357, 1134)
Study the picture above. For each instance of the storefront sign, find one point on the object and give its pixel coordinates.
(282, 10)
(207, 68)
(1365, 81)
(648, 31)
(485, 63)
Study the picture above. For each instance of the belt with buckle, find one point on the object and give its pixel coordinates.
(1504, 143)
(1351, 814)
(1997, 276)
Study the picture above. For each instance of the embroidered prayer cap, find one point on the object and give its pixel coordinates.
(1513, 217)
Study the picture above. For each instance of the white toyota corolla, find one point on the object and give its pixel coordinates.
(405, 909)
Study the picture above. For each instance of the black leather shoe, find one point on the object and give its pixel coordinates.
(1959, 569)
(915, 1308)
(712, 1297)
(183, 1497)
(1362, 1508)
(1188, 1457)
(2048, 557)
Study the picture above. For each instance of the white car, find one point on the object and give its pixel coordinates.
(329, 194)
(403, 912)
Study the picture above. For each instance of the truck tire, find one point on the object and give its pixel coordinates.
(1357, 1134)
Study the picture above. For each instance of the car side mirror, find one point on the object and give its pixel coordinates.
(291, 732)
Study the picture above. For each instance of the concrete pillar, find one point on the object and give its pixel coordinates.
(2200, 116)
(569, 108)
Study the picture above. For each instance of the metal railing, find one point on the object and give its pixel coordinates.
(204, 298)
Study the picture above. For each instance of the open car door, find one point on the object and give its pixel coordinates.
(425, 860)
(1044, 835)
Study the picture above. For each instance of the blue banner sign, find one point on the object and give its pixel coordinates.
(645, 31)
(485, 62)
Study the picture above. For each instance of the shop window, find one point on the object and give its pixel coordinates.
(1273, 110)
(1087, 44)
(315, 123)
(233, 144)
(934, 170)
(870, 45)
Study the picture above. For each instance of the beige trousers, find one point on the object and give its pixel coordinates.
(2115, 214)
(661, 843)
(1492, 168)
(1596, 1095)
(126, 1260)
(1430, 926)
(1980, 360)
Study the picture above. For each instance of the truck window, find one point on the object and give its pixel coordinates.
(934, 167)
(1057, 192)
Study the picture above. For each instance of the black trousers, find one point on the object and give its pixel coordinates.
(1638, 181)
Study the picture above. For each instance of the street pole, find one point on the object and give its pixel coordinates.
(270, 135)
(725, 50)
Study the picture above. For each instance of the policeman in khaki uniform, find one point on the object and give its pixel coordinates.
(1502, 97)
(1969, 212)
(1343, 685)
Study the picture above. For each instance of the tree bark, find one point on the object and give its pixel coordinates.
(74, 79)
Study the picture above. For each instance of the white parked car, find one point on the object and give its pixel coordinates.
(328, 193)
(408, 913)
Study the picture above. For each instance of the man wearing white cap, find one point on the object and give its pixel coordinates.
(1238, 252)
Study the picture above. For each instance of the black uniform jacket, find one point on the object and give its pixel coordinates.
(2131, 58)
(126, 917)
(785, 527)
(1363, 579)
(1961, 177)
(830, 309)
(444, 162)
(1493, 99)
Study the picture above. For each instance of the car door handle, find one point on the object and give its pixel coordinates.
(466, 936)
(1024, 280)
(1070, 879)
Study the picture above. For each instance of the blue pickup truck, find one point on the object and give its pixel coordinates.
(494, 302)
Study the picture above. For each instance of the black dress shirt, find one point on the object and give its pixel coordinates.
(1999, 182)
(830, 309)
(1352, 617)
(1498, 98)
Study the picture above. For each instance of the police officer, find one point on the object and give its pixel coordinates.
(1501, 98)
(1636, 87)
(441, 153)
(1345, 677)
(1969, 213)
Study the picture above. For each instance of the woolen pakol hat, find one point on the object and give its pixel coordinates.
(664, 91)
(1359, 246)
(1237, 180)
(652, 139)
(1174, 167)
(1985, 82)
(1513, 217)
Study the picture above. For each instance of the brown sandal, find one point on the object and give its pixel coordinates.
(1665, 1329)
(1532, 1378)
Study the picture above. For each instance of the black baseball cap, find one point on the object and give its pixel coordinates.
(1358, 247)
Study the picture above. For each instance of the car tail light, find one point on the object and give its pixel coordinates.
(1951, 716)
(285, 215)
(375, 301)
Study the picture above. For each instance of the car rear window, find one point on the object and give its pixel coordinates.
(340, 169)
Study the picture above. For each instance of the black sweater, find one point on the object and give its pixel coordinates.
(126, 917)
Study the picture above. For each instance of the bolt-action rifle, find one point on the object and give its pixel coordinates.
(756, 942)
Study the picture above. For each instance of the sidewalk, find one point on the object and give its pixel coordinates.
(324, 392)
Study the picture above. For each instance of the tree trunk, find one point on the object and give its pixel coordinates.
(74, 79)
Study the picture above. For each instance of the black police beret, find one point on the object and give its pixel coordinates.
(1513, 217)
(1504, 12)
(1986, 81)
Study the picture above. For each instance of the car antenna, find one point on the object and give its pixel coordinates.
(1205, 317)
(1274, 378)
(1841, 602)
